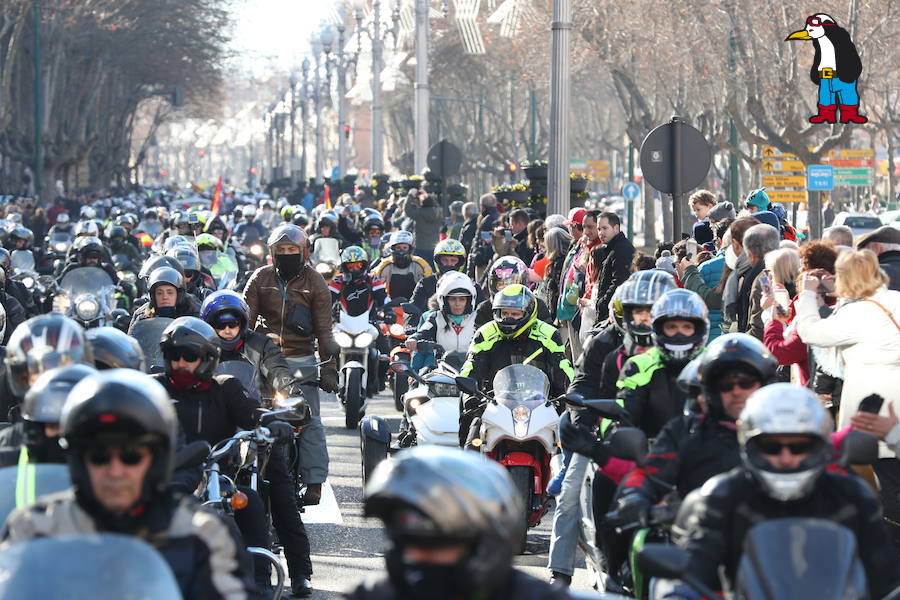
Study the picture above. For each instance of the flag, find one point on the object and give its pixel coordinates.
(216, 203)
(327, 197)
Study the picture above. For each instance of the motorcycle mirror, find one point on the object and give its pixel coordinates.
(400, 367)
(154, 369)
(574, 398)
(628, 443)
(274, 415)
(859, 448)
(608, 409)
(664, 561)
(192, 455)
(411, 309)
(468, 385)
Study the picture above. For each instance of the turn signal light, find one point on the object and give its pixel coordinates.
(239, 500)
(476, 442)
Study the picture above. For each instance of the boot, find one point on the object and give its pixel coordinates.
(849, 114)
(827, 114)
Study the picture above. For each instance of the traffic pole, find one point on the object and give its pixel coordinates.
(558, 184)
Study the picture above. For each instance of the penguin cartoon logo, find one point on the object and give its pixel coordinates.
(835, 69)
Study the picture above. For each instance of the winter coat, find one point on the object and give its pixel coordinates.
(788, 350)
(614, 270)
(429, 220)
(890, 262)
(704, 282)
(868, 344)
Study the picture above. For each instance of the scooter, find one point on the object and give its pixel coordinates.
(356, 337)
(519, 430)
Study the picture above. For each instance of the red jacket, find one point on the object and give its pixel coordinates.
(788, 351)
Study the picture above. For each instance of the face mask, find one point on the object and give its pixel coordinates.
(230, 345)
(678, 346)
(288, 265)
(166, 311)
(401, 259)
(182, 380)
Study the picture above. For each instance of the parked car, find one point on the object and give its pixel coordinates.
(859, 224)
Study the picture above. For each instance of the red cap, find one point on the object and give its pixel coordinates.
(576, 215)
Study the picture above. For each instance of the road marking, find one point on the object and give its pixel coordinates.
(326, 511)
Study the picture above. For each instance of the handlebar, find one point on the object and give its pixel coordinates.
(659, 515)
(260, 435)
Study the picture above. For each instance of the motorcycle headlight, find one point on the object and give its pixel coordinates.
(444, 389)
(397, 330)
(364, 339)
(60, 247)
(343, 339)
(28, 282)
(323, 268)
(414, 404)
(87, 309)
(521, 414)
(256, 250)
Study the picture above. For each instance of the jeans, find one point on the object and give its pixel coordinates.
(829, 89)
(567, 517)
(313, 448)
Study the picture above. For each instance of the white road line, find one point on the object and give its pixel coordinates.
(326, 511)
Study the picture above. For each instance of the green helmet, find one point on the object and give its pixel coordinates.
(207, 241)
(518, 297)
(453, 248)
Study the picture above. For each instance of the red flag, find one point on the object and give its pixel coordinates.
(216, 203)
(327, 197)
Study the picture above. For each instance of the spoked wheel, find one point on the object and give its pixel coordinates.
(524, 481)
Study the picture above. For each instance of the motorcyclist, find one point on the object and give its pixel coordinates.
(198, 281)
(12, 311)
(120, 433)
(166, 297)
(646, 385)
(114, 349)
(326, 227)
(515, 335)
(16, 289)
(89, 252)
(268, 218)
(150, 224)
(402, 270)
(19, 238)
(117, 236)
(296, 323)
(505, 271)
(784, 438)
(372, 230)
(452, 325)
(354, 288)
(63, 225)
(449, 256)
(451, 518)
(250, 230)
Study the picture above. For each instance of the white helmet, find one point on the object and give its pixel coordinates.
(87, 228)
(455, 283)
(249, 210)
(401, 237)
(62, 219)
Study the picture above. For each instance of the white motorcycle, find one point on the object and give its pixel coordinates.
(356, 337)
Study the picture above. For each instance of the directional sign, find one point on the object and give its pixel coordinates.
(792, 166)
(852, 162)
(854, 176)
(599, 169)
(784, 181)
(847, 153)
(820, 177)
(772, 151)
(784, 196)
(631, 191)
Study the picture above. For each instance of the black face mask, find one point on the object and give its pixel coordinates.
(288, 265)
(165, 311)
(401, 259)
(421, 581)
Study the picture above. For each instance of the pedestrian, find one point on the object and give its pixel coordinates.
(841, 235)
(428, 217)
(885, 243)
(758, 242)
(701, 203)
(615, 267)
(518, 225)
(470, 225)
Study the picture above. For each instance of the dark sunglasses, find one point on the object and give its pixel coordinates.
(773, 448)
(745, 383)
(354, 266)
(181, 353)
(227, 325)
(128, 455)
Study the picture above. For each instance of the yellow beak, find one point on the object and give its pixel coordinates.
(798, 35)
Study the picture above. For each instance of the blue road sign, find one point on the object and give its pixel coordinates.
(819, 177)
(631, 191)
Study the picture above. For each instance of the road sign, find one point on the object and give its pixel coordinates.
(772, 151)
(852, 162)
(792, 166)
(853, 172)
(578, 165)
(847, 153)
(784, 181)
(598, 169)
(631, 191)
(784, 196)
(444, 159)
(820, 177)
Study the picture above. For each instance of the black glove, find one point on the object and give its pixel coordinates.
(328, 380)
(292, 390)
(633, 508)
(581, 440)
(281, 431)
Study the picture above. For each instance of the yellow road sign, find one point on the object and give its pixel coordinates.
(848, 153)
(772, 151)
(784, 181)
(793, 166)
(781, 196)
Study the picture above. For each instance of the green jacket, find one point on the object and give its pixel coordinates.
(648, 391)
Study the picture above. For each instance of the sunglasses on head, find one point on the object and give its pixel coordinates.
(103, 455)
(227, 325)
(174, 354)
(745, 383)
(774, 448)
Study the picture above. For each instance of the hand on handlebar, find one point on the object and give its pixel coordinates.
(633, 508)
(281, 431)
(581, 440)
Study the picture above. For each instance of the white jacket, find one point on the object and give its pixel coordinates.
(869, 345)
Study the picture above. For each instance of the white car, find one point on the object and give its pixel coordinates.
(859, 224)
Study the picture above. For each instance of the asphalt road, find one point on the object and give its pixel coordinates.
(346, 548)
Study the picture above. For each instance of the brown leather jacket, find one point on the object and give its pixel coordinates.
(265, 299)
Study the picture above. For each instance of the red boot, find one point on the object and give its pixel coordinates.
(827, 114)
(849, 115)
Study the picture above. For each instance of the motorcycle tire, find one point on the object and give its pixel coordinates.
(400, 387)
(352, 398)
(372, 452)
(523, 479)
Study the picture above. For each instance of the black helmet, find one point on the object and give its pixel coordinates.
(165, 276)
(507, 270)
(192, 334)
(21, 233)
(518, 297)
(43, 405)
(116, 231)
(120, 406)
(300, 219)
(88, 247)
(429, 495)
(689, 382)
(641, 290)
(155, 262)
(684, 305)
(189, 259)
(42, 343)
(114, 349)
(733, 354)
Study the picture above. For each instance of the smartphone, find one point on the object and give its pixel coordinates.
(765, 284)
(826, 286)
(486, 236)
(871, 404)
(782, 299)
(507, 235)
(692, 248)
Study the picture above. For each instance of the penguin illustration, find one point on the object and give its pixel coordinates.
(835, 69)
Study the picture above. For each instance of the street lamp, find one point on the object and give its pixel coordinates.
(341, 62)
(293, 81)
(420, 145)
(558, 184)
(304, 117)
(317, 98)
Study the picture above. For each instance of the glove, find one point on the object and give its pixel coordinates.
(282, 432)
(581, 440)
(328, 380)
(292, 390)
(633, 508)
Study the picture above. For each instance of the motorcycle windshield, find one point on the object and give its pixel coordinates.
(246, 373)
(59, 241)
(81, 567)
(148, 333)
(521, 385)
(21, 261)
(801, 559)
(327, 250)
(86, 280)
(48, 479)
(223, 268)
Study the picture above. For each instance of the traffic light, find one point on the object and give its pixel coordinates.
(201, 153)
(347, 131)
(254, 170)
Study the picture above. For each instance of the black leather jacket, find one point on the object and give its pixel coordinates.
(261, 352)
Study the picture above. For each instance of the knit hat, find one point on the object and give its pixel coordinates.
(759, 199)
(769, 218)
(666, 262)
(722, 211)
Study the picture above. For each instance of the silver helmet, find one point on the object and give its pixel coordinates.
(784, 409)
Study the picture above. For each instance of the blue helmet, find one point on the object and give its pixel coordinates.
(225, 305)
